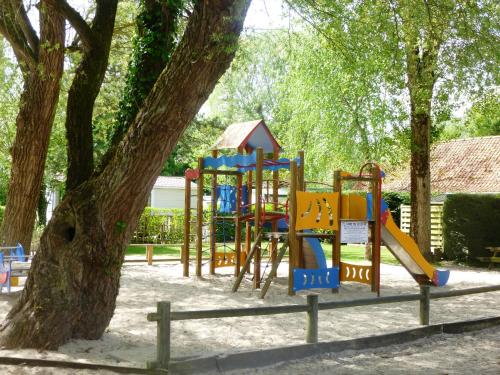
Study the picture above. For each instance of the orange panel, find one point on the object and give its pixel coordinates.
(227, 259)
(317, 210)
(355, 272)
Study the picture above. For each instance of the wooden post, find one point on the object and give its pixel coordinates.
(425, 304)
(199, 219)
(187, 226)
(274, 225)
(376, 230)
(257, 220)
(337, 187)
(312, 319)
(237, 234)
(213, 223)
(300, 187)
(149, 254)
(292, 213)
(248, 226)
(162, 318)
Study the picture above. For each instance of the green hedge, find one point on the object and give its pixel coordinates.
(2, 209)
(158, 225)
(470, 223)
(394, 201)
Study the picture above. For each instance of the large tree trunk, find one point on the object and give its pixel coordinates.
(33, 127)
(421, 65)
(72, 287)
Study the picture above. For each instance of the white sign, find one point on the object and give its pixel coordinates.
(353, 231)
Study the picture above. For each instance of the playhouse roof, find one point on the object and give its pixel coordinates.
(171, 182)
(469, 165)
(248, 136)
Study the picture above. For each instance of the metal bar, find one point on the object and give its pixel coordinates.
(220, 172)
(312, 319)
(315, 235)
(356, 178)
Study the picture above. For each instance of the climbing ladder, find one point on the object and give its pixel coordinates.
(274, 269)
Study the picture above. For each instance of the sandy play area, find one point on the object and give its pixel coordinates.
(130, 338)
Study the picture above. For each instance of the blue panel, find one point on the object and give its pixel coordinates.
(317, 249)
(245, 162)
(229, 161)
(319, 278)
(383, 206)
(282, 225)
(18, 253)
(225, 196)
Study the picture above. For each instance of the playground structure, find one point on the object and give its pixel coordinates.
(304, 224)
(243, 203)
(14, 265)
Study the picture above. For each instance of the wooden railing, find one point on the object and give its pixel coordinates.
(164, 316)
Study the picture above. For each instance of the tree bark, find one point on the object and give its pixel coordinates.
(33, 127)
(72, 287)
(421, 65)
(83, 93)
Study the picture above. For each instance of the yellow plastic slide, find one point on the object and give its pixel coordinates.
(407, 252)
(401, 245)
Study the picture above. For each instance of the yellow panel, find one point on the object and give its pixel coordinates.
(353, 207)
(357, 207)
(317, 210)
(14, 281)
(354, 272)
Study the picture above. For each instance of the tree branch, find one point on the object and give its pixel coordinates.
(78, 23)
(24, 23)
(15, 36)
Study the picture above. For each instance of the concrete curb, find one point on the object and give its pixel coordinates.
(253, 359)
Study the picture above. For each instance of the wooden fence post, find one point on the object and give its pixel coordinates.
(149, 254)
(425, 304)
(162, 318)
(312, 319)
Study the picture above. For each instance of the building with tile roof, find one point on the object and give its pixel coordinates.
(470, 165)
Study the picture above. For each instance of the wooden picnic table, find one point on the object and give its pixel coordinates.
(494, 258)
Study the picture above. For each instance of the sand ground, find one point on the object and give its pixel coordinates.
(130, 338)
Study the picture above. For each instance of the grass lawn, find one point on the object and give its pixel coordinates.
(350, 253)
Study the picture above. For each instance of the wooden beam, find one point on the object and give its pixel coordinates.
(199, 219)
(257, 220)
(292, 212)
(187, 226)
(376, 229)
(213, 208)
(337, 187)
(237, 234)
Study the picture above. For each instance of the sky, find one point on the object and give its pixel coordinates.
(266, 14)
